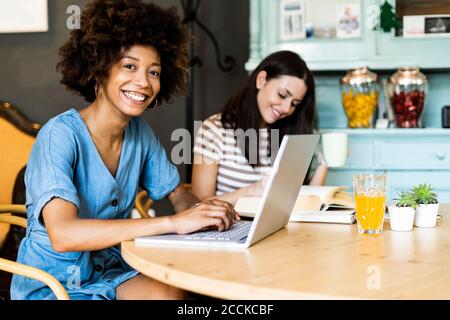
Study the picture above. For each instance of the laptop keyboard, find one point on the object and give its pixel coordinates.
(239, 230)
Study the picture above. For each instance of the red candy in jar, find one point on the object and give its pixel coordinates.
(408, 88)
(408, 107)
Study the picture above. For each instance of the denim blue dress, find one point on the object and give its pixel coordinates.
(65, 163)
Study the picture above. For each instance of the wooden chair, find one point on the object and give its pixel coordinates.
(18, 134)
(143, 202)
(17, 137)
(22, 269)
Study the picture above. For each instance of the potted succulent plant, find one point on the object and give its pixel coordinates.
(401, 214)
(427, 211)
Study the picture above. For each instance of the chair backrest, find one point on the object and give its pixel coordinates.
(17, 136)
(143, 203)
(21, 269)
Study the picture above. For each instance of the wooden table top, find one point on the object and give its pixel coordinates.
(310, 261)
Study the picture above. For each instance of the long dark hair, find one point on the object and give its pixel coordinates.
(242, 112)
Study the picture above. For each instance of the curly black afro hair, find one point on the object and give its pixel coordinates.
(108, 27)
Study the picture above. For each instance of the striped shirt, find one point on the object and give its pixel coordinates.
(220, 145)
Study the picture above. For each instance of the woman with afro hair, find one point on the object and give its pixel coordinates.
(86, 165)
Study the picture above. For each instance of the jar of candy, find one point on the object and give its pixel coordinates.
(360, 89)
(407, 90)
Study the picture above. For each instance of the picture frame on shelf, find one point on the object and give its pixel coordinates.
(348, 20)
(22, 16)
(418, 26)
(439, 24)
(292, 19)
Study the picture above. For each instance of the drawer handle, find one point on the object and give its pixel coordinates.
(440, 155)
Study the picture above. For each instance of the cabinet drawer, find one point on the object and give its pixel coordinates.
(360, 154)
(398, 181)
(403, 180)
(410, 154)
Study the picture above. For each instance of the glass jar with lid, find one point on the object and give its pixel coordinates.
(360, 90)
(407, 90)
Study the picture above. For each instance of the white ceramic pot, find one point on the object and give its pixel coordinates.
(401, 218)
(426, 215)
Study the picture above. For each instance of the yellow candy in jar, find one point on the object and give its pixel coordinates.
(359, 108)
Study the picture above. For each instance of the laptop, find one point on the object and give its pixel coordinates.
(279, 196)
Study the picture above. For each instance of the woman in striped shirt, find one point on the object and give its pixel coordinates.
(233, 149)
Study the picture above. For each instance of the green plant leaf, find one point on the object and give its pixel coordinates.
(424, 194)
(407, 199)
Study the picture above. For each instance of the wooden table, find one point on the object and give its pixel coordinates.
(310, 261)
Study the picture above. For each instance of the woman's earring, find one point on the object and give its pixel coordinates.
(97, 89)
(154, 104)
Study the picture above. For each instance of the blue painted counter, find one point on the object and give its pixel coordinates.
(407, 156)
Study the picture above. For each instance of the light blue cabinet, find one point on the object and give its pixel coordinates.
(320, 54)
(377, 49)
(427, 52)
(407, 156)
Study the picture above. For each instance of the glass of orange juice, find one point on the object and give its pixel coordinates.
(370, 200)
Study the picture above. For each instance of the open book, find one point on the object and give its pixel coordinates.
(331, 204)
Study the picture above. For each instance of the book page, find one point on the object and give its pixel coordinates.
(308, 203)
(311, 198)
(331, 195)
(247, 206)
(341, 199)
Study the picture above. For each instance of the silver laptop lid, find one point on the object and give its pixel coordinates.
(279, 196)
(283, 186)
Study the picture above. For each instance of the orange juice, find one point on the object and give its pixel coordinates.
(370, 213)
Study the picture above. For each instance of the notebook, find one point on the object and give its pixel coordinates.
(331, 204)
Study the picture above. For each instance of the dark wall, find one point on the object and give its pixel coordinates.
(27, 71)
(28, 77)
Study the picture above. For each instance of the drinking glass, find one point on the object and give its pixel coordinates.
(370, 199)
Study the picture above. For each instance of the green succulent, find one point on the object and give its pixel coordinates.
(424, 194)
(407, 199)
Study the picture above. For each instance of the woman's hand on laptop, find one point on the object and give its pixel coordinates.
(210, 213)
(233, 214)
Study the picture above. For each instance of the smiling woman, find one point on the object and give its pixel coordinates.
(86, 166)
(279, 98)
(134, 81)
